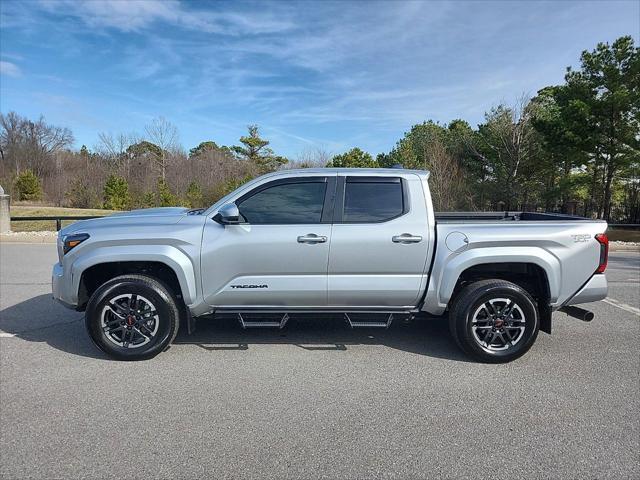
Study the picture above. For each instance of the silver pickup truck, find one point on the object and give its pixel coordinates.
(364, 243)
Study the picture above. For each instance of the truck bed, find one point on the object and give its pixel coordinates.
(564, 247)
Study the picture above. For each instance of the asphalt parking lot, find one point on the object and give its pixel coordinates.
(316, 399)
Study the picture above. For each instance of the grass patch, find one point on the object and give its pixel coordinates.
(41, 211)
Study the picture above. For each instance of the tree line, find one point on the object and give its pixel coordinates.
(572, 148)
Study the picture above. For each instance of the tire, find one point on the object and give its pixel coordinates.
(483, 327)
(132, 317)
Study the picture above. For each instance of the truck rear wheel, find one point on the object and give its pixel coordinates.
(494, 321)
(132, 317)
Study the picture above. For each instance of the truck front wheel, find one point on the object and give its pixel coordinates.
(132, 317)
(494, 321)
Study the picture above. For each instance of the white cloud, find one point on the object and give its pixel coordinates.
(136, 15)
(10, 69)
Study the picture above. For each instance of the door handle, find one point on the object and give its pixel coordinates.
(406, 238)
(312, 238)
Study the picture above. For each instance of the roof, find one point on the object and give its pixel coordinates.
(352, 171)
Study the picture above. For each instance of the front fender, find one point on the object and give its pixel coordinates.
(447, 270)
(171, 256)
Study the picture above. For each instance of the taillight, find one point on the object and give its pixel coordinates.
(604, 251)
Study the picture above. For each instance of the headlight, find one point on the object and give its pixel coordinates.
(71, 241)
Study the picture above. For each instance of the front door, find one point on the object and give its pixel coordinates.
(279, 253)
(379, 242)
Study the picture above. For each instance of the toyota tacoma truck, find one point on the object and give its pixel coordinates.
(364, 243)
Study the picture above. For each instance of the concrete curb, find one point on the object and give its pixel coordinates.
(28, 237)
(623, 247)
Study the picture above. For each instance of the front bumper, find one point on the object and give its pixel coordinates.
(595, 289)
(58, 285)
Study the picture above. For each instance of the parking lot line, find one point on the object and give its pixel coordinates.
(623, 306)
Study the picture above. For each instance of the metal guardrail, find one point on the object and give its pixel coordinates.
(450, 215)
(58, 219)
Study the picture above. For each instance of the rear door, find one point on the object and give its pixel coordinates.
(278, 255)
(379, 241)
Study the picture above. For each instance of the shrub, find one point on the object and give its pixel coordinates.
(162, 197)
(28, 186)
(80, 195)
(148, 200)
(165, 197)
(354, 158)
(235, 183)
(116, 193)
(194, 196)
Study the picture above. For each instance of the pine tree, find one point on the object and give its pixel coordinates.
(29, 186)
(116, 193)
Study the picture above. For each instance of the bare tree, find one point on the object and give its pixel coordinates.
(113, 149)
(215, 170)
(313, 157)
(509, 134)
(446, 181)
(164, 134)
(29, 144)
(10, 137)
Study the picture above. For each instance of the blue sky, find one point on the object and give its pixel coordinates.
(311, 74)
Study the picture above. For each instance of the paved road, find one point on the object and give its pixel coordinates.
(316, 400)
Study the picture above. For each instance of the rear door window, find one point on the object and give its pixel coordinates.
(372, 201)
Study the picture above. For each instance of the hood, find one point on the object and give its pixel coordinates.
(160, 212)
(131, 219)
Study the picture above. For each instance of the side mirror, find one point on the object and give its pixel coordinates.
(228, 214)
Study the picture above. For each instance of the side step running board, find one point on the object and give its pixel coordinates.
(355, 324)
(275, 319)
(265, 324)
